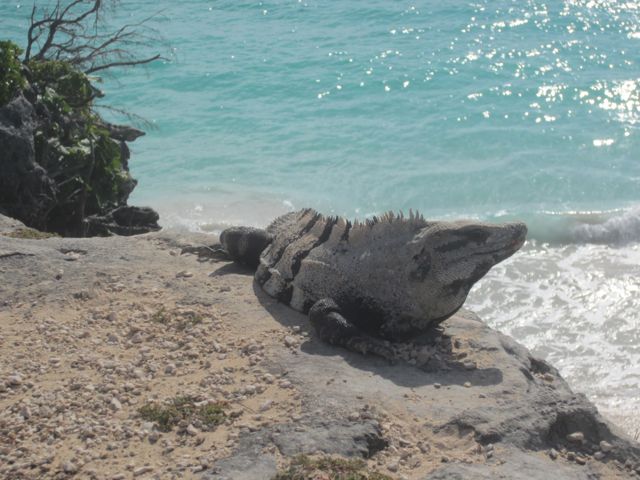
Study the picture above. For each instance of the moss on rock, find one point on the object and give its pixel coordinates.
(303, 467)
(183, 409)
(30, 234)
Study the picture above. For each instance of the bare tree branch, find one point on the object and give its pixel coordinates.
(74, 31)
(122, 64)
(133, 118)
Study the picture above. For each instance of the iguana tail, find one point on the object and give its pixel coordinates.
(245, 244)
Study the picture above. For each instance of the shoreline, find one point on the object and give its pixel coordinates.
(93, 329)
(615, 226)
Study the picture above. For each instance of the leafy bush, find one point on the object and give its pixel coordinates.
(11, 79)
(68, 82)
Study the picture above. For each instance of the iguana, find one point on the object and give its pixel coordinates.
(366, 284)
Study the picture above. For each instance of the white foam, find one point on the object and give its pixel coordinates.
(620, 229)
(211, 214)
(576, 306)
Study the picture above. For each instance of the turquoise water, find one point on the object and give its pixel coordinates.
(453, 108)
(490, 109)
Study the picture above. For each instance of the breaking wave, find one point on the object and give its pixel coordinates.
(613, 227)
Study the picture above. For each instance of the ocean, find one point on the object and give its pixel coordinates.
(494, 110)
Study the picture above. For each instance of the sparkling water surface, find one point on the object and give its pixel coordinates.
(489, 109)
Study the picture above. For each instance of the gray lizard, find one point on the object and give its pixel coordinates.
(366, 284)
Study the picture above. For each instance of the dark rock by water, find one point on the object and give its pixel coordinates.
(62, 168)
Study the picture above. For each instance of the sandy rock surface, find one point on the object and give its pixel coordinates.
(91, 330)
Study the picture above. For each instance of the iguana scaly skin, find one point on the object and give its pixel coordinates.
(389, 278)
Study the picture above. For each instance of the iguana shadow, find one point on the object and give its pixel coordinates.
(232, 269)
(445, 368)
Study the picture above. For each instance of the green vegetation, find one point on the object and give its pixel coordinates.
(168, 415)
(189, 321)
(71, 84)
(85, 159)
(303, 467)
(161, 316)
(74, 145)
(165, 318)
(11, 79)
(30, 233)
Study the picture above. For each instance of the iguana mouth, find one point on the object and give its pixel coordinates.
(510, 249)
(507, 250)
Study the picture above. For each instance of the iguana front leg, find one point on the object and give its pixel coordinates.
(333, 328)
(245, 244)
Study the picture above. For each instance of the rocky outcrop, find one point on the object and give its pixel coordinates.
(62, 168)
(26, 191)
(465, 403)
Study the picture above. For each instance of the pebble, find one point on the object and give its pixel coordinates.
(137, 338)
(599, 455)
(393, 466)
(170, 369)
(148, 426)
(69, 467)
(193, 431)
(548, 377)
(184, 274)
(605, 446)
(290, 342)
(467, 384)
(576, 437)
(142, 470)
(115, 404)
(266, 405)
(424, 448)
(13, 381)
(469, 365)
(285, 384)
(354, 416)
(553, 454)
(581, 460)
(403, 442)
(437, 385)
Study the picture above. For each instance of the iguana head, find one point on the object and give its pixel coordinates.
(448, 258)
